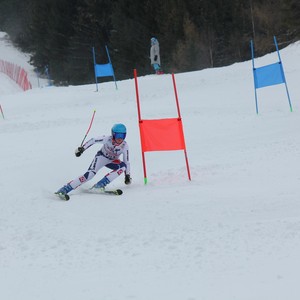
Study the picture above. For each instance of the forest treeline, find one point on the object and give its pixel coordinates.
(193, 34)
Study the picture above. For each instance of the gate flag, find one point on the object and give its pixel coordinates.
(161, 134)
(269, 75)
(103, 70)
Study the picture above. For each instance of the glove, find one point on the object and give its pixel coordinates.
(155, 58)
(127, 179)
(79, 151)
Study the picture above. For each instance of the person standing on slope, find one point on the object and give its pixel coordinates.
(113, 147)
(155, 56)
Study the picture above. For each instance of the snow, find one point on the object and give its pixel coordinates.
(232, 232)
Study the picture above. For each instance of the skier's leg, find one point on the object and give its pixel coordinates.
(118, 168)
(98, 162)
(156, 67)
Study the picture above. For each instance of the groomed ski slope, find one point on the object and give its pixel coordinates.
(233, 232)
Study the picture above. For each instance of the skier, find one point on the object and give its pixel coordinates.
(155, 56)
(108, 156)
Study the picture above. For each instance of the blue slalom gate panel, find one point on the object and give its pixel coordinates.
(269, 75)
(103, 70)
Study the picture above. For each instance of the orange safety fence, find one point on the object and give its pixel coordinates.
(16, 73)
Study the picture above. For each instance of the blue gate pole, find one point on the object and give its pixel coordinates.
(252, 52)
(282, 72)
(94, 57)
(111, 66)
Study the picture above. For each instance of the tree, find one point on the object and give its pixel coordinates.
(193, 34)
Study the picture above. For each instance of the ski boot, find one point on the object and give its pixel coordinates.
(101, 184)
(63, 192)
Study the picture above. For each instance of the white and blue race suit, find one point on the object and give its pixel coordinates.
(107, 156)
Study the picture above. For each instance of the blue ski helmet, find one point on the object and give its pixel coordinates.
(118, 131)
(153, 41)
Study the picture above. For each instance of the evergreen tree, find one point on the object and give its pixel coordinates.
(52, 27)
(130, 38)
(91, 29)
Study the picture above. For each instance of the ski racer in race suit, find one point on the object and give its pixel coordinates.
(113, 147)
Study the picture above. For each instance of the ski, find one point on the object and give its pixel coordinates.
(117, 192)
(62, 196)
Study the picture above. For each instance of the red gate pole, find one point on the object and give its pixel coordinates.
(140, 121)
(179, 118)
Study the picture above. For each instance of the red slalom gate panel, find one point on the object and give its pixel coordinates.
(162, 135)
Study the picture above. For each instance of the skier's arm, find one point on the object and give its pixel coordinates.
(92, 141)
(89, 143)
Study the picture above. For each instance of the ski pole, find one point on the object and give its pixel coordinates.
(2, 112)
(89, 127)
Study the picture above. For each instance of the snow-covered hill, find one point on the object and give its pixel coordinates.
(233, 232)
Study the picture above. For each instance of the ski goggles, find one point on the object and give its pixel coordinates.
(119, 135)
